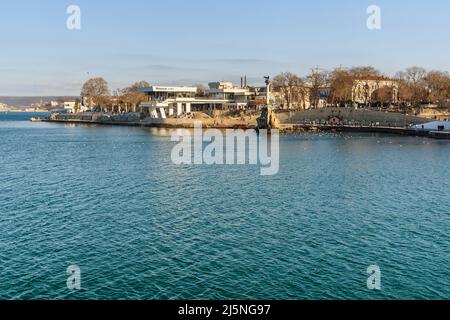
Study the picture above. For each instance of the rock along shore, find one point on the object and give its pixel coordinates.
(324, 120)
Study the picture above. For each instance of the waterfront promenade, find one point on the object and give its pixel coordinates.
(245, 121)
(326, 120)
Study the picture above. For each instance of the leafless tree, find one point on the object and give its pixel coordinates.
(384, 95)
(96, 92)
(437, 85)
(134, 96)
(365, 71)
(341, 85)
(412, 87)
(318, 82)
(292, 88)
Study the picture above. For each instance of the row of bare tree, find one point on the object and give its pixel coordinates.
(415, 86)
(96, 94)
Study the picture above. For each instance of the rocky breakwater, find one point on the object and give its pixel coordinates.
(268, 120)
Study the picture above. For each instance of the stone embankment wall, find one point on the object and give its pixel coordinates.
(97, 117)
(436, 114)
(346, 116)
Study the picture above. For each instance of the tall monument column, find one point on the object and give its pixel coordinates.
(268, 90)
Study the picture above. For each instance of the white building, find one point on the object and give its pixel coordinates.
(366, 89)
(165, 101)
(70, 106)
(434, 126)
(54, 104)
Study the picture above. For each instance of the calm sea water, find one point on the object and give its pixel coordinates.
(109, 200)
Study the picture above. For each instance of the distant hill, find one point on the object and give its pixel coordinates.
(26, 102)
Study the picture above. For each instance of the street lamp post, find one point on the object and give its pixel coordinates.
(429, 97)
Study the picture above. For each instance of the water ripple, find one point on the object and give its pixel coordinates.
(109, 200)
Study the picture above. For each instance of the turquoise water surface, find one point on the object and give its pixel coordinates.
(109, 200)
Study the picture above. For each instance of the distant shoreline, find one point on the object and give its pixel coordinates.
(22, 111)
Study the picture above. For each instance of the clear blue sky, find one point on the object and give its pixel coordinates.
(195, 41)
